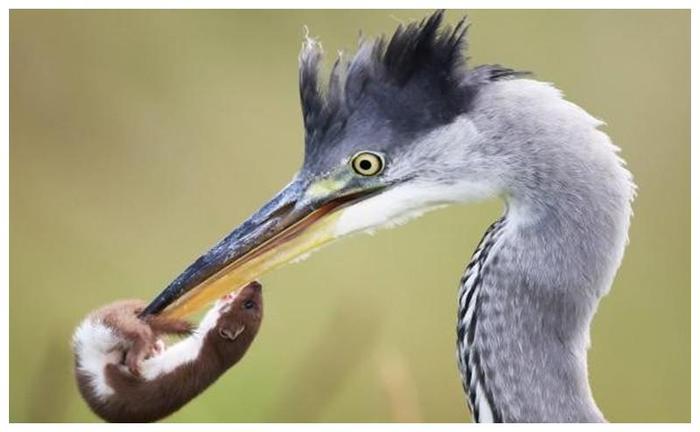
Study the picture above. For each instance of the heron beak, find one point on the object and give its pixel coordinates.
(296, 221)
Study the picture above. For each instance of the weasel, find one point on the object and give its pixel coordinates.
(125, 373)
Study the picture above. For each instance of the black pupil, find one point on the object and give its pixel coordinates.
(365, 164)
(249, 304)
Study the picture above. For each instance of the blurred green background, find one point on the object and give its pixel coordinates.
(139, 138)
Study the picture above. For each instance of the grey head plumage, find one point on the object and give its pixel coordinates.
(399, 87)
(429, 131)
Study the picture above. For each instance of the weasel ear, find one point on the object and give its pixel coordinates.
(231, 334)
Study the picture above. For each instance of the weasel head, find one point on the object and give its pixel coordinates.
(238, 321)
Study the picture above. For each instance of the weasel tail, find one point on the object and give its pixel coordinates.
(126, 374)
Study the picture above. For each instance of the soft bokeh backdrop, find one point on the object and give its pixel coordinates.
(139, 138)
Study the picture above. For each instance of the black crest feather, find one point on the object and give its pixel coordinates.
(417, 78)
(422, 47)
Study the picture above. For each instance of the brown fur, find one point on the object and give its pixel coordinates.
(140, 334)
(139, 400)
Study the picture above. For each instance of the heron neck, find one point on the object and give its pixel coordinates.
(552, 261)
(529, 340)
(556, 253)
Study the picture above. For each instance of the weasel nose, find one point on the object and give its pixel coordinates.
(254, 288)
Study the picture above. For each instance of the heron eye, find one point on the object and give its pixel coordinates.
(367, 163)
(250, 304)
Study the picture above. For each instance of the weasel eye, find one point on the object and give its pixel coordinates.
(250, 304)
(367, 163)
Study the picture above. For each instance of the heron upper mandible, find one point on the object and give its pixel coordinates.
(405, 127)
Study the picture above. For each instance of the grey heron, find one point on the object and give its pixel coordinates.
(404, 127)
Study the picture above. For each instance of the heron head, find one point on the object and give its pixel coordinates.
(385, 140)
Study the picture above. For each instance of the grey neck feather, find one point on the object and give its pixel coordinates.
(555, 256)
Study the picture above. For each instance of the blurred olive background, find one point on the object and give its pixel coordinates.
(139, 138)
